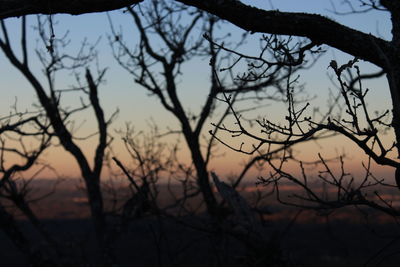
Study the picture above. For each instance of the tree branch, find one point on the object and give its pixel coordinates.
(320, 29)
(16, 8)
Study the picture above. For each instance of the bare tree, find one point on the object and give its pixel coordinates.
(50, 98)
(321, 30)
(366, 130)
(15, 130)
(351, 119)
(181, 43)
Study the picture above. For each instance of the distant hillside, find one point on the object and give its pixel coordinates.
(68, 200)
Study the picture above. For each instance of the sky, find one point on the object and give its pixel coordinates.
(138, 108)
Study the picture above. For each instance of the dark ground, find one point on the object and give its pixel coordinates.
(344, 238)
(149, 243)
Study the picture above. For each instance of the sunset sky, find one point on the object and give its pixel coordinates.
(137, 107)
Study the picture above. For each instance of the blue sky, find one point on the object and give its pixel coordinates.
(94, 26)
(135, 105)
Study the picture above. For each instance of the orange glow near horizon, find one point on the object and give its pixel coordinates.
(230, 163)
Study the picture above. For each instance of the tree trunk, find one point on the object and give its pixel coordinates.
(392, 60)
(393, 76)
(98, 218)
(203, 178)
